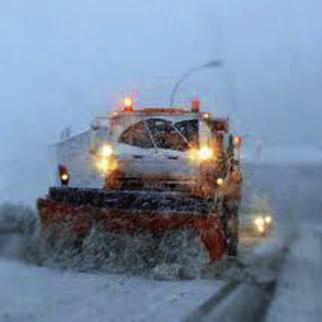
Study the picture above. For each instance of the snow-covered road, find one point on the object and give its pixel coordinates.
(298, 295)
(35, 294)
(294, 293)
(295, 194)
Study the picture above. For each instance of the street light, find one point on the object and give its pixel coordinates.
(210, 64)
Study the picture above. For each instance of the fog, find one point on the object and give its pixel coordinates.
(64, 62)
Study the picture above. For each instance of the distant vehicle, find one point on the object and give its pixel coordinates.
(161, 170)
(258, 224)
(258, 219)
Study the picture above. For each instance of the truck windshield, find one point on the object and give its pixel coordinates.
(162, 134)
(179, 136)
(137, 135)
(190, 130)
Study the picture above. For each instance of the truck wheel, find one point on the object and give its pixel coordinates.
(232, 239)
(231, 226)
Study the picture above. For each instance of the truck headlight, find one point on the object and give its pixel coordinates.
(261, 229)
(260, 224)
(203, 154)
(259, 221)
(102, 165)
(106, 165)
(106, 151)
(105, 160)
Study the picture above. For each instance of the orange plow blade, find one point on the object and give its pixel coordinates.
(121, 215)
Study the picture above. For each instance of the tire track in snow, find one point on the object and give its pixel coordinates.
(248, 298)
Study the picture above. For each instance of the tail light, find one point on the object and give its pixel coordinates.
(63, 175)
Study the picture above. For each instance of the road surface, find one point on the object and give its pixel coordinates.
(30, 293)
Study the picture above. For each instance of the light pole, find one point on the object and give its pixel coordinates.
(211, 64)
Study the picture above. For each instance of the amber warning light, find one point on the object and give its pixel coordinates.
(128, 104)
(195, 105)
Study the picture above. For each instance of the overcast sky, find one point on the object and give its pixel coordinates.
(63, 62)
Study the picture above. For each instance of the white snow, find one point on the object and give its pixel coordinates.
(298, 296)
(35, 294)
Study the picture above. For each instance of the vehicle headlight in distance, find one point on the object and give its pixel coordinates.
(261, 229)
(259, 221)
(268, 220)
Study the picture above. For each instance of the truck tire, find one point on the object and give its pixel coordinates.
(231, 226)
(232, 239)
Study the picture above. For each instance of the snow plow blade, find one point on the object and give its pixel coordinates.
(131, 212)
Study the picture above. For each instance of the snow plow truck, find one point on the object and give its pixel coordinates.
(157, 170)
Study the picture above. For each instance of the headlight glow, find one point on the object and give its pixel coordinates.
(259, 221)
(105, 160)
(268, 219)
(106, 165)
(203, 154)
(261, 229)
(106, 151)
(64, 177)
(220, 181)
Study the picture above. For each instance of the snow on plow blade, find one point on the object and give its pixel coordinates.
(130, 213)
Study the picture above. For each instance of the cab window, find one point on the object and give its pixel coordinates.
(190, 130)
(166, 136)
(137, 135)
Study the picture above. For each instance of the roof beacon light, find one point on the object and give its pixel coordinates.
(195, 105)
(128, 104)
